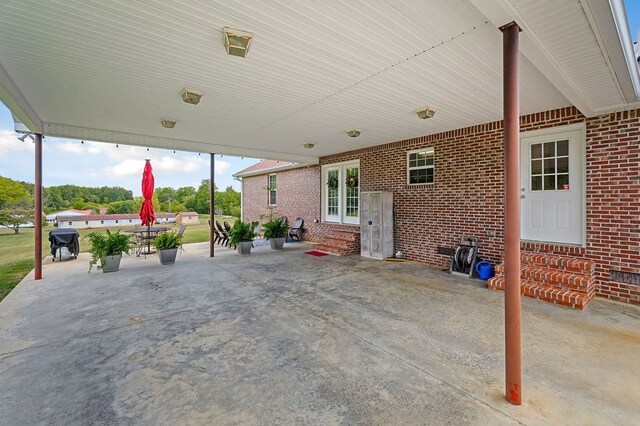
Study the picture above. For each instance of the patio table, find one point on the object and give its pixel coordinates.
(147, 234)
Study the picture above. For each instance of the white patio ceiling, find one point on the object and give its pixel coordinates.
(109, 70)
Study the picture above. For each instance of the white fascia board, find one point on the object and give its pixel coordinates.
(13, 98)
(274, 169)
(108, 136)
(623, 41)
(499, 13)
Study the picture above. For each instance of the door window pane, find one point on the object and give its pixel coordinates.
(332, 193)
(549, 149)
(351, 190)
(549, 183)
(549, 166)
(536, 167)
(563, 148)
(563, 165)
(536, 150)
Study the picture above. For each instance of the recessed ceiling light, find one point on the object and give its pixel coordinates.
(191, 96)
(353, 133)
(236, 42)
(169, 123)
(309, 145)
(426, 112)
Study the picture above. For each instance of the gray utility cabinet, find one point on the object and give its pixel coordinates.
(376, 224)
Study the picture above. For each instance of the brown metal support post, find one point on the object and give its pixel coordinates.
(38, 208)
(211, 206)
(513, 340)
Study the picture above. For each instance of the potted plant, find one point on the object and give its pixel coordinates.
(167, 245)
(108, 249)
(241, 236)
(276, 232)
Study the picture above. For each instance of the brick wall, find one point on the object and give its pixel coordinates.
(467, 196)
(297, 195)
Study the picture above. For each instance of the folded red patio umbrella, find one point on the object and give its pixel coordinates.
(146, 211)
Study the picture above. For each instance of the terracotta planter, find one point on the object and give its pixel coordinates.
(244, 247)
(168, 256)
(277, 243)
(112, 263)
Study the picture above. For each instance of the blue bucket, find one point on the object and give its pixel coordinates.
(484, 270)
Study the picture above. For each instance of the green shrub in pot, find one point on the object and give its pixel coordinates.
(276, 231)
(108, 249)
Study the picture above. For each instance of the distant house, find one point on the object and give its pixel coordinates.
(187, 218)
(109, 220)
(51, 218)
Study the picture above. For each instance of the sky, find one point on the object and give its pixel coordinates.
(633, 16)
(66, 161)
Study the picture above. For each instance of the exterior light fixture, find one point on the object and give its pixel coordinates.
(168, 123)
(236, 42)
(191, 96)
(309, 145)
(353, 133)
(426, 112)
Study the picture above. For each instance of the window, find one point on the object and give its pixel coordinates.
(550, 166)
(86, 222)
(272, 189)
(341, 192)
(116, 220)
(130, 221)
(420, 166)
(102, 222)
(70, 223)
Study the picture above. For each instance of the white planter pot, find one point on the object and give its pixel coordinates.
(112, 263)
(168, 256)
(277, 243)
(244, 247)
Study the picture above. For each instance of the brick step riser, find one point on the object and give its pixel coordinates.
(344, 236)
(571, 299)
(558, 263)
(556, 268)
(330, 249)
(565, 280)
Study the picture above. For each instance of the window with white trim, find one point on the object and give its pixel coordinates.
(420, 166)
(272, 189)
(341, 192)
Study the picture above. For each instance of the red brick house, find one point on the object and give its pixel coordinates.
(587, 169)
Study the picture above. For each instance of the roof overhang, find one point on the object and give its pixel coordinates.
(108, 71)
(268, 170)
(604, 21)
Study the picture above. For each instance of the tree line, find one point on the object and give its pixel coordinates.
(16, 200)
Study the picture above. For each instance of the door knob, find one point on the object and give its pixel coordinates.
(523, 196)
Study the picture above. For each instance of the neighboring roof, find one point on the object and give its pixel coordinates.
(71, 212)
(267, 166)
(313, 72)
(109, 217)
(187, 214)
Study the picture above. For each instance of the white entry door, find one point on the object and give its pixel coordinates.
(552, 163)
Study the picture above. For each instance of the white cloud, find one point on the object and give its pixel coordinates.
(71, 147)
(221, 167)
(9, 143)
(166, 164)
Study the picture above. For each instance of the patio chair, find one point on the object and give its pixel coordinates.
(223, 233)
(227, 227)
(297, 229)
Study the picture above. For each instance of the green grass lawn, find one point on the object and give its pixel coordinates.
(16, 251)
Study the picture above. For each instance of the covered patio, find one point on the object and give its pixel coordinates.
(284, 337)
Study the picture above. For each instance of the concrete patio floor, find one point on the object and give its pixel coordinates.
(288, 338)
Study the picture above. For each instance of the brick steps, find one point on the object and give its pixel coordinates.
(561, 280)
(341, 241)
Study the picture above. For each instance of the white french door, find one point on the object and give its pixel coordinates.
(341, 193)
(552, 191)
